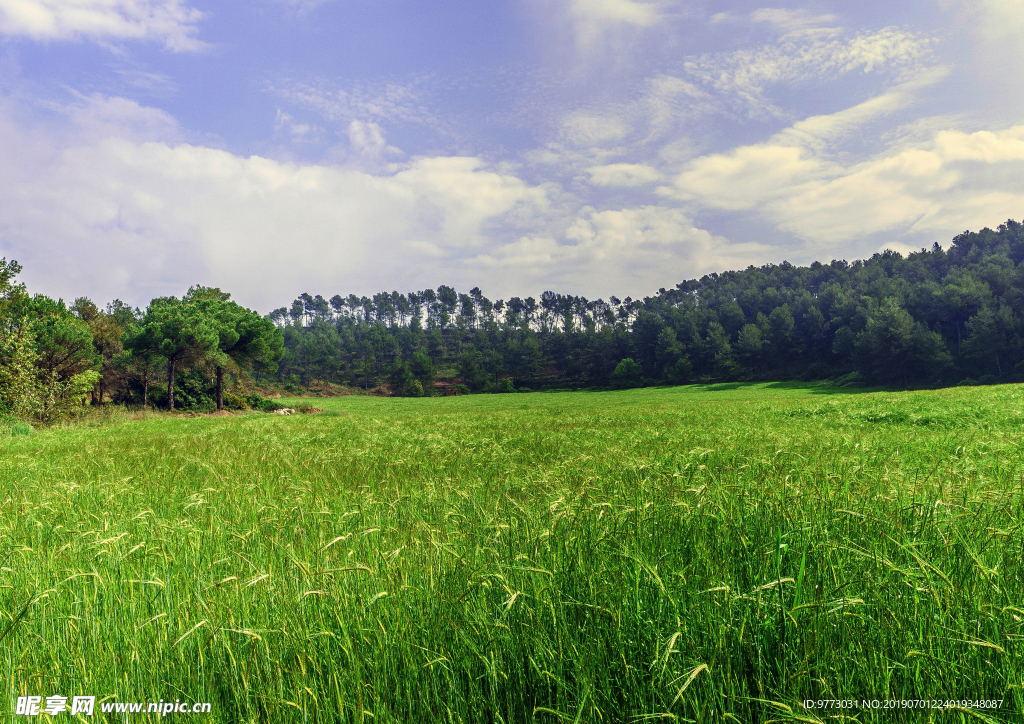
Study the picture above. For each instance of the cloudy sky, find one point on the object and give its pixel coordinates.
(595, 147)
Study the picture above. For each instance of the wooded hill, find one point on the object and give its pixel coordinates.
(934, 317)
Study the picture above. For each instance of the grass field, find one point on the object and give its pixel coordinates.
(702, 554)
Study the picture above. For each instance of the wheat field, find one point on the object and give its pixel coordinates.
(696, 554)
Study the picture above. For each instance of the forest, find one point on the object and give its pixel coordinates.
(933, 318)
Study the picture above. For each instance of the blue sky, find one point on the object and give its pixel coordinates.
(593, 147)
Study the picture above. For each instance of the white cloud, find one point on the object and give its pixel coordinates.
(302, 6)
(784, 19)
(821, 132)
(392, 102)
(986, 146)
(112, 215)
(368, 140)
(299, 132)
(594, 18)
(586, 129)
(98, 116)
(1002, 19)
(791, 20)
(743, 77)
(668, 101)
(632, 250)
(169, 21)
(953, 180)
(624, 175)
(468, 195)
(121, 212)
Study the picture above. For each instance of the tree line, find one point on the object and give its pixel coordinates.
(932, 317)
(176, 353)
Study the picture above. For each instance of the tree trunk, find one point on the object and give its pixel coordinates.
(101, 390)
(220, 388)
(145, 388)
(170, 384)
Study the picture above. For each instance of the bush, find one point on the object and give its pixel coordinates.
(194, 391)
(627, 374)
(504, 385)
(423, 368)
(403, 382)
(265, 405)
(233, 401)
(10, 425)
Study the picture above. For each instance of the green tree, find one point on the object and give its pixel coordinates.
(245, 340)
(471, 369)
(990, 340)
(750, 345)
(63, 342)
(523, 355)
(668, 351)
(893, 348)
(717, 347)
(423, 369)
(45, 353)
(107, 328)
(11, 293)
(883, 347)
(18, 374)
(402, 380)
(780, 339)
(179, 332)
(627, 373)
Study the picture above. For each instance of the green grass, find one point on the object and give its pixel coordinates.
(703, 554)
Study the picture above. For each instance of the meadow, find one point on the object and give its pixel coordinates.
(695, 554)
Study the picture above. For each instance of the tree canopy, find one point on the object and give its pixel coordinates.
(932, 317)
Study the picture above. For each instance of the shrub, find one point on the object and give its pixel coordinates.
(195, 391)
(504, 385)
(627, 374)
(265, 405)
(233, 401)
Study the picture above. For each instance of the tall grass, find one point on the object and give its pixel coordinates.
(690, 554)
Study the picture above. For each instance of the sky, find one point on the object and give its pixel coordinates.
(593, 147)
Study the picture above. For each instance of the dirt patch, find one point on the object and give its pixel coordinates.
(221, 413)
(310, 410)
